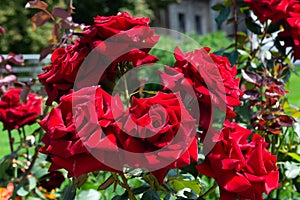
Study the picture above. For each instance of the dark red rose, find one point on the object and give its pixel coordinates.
(74, 128)
(274, 10)
(211, 78)
(242, 169)
(15, 114)
(160, 123)
(131, 40)
(291, 34)
(51, 180)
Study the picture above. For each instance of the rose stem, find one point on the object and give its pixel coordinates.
(235, 24)
(24, 135)
(127, 187)
(11, 141)
(126, 90)
(208, 191)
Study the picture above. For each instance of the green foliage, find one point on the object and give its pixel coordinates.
(293, 88)
(164, 49)
(85, 11)
(20, 36)
(215, 41)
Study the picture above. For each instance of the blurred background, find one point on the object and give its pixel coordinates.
(187, 16)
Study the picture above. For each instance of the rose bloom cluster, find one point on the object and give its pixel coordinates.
(211, 78)
(135, 37)
(284, 11)
(15, 114)
(242, 169)
(92, 130)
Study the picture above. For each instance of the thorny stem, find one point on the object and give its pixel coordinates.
(274, 141)
(235, 24)
(34, 157)
(127, 97)
(143, 91)
(281, 140)
(36, 150)
(127, 187)
(24, 140)
(50, 15)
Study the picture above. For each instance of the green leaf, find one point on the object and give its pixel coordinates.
(218, 7)
(190, 195)
(39, 193)
(191, 169)
(232, 56)
(140, 189)
(278, 45)
(297, 184)
(5, 164)
(274, 27)
(294, 156)
(296, 114)
(223, 15)
(69, 192)
(38, 171)
(192, 184)
(150, 194)
(243, 111)
(22, 191)
(32, 183)
(252, 26)
(227, 2)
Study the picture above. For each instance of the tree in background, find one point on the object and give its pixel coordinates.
(20, 37)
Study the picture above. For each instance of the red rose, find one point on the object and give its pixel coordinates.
(241, 169)
(162, 124)
(130, 47)
(111, 25)
(15, 114)
(265, 9)
(51, 180)
(291, 35)
(211, 77)
(75, 127)
(159, 123)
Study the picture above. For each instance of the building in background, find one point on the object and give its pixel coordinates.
(191, 16)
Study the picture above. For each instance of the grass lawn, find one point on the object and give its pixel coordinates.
(4, 143)
(294, 89)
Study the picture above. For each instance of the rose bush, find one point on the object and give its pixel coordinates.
(144, 142)
(75, 139)
(131, 45)
(15, 114)
(242, 169)
(287, 13)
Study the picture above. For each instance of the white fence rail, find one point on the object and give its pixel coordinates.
(32, 66)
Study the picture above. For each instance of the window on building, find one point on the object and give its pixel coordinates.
(181, 22)
(198, 26)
